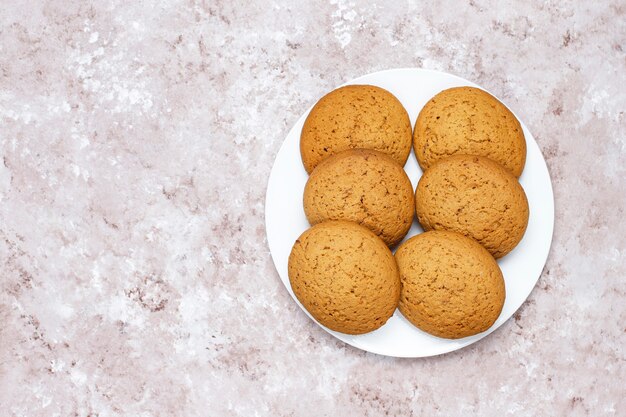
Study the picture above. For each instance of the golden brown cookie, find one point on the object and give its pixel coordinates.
(451, 286)
(363, 186)
(476, 197)
(469, 121)
(356, 116)
(345, 276)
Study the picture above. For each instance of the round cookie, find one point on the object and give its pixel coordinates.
(345, 276)
(363, 186)
(476, 197)
(355, 116)
(451, 286)
(469, 121)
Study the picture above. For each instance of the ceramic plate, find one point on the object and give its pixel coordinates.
(285, 219)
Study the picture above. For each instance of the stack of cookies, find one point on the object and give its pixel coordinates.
(361, 204)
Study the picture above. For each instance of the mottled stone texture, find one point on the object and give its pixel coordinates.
(137, 139)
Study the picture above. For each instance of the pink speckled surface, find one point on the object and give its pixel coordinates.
(137, 139)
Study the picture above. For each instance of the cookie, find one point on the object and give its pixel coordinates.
(345, 276)
(476, 197)
(451, 286)
(363, 186)
(355, 116)
(469, 121)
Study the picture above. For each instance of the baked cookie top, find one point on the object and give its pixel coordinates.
(364, 186)
(345, 276)
(451, 286)
(356, 116)
(476, 197)
(469, 121)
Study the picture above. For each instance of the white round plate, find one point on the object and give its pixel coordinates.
(285, 219)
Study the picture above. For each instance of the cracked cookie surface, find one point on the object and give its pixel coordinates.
(451, 286)
(344, 276)
(469, 121)
(363, 186)
(476, 197)
(356, 116)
